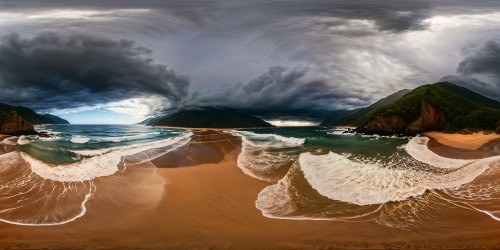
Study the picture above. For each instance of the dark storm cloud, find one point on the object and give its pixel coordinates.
(388, 15)
(55, 71)
(480, 70)
(356, 52)
(285, 93)
(483, 60)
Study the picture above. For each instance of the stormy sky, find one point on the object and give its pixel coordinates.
(281, 59)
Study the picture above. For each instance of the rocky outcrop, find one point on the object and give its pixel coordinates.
(430, 118)
(13, 124)
(384, 126)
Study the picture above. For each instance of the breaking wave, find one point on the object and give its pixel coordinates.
(79, 139)
(101, 162)
(35, 193)
(399, 191)
(258, 160)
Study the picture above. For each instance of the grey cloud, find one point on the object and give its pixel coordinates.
(287, 93)
(55, 71)
(480, 70)
(355, 51)
(485, 59)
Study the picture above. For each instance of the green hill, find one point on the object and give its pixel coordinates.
(30, 115)
(55, 119)
(357, 116)
(441, 106)
(15, 120)
(209, 117)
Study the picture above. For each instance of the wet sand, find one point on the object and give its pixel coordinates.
(198, 198)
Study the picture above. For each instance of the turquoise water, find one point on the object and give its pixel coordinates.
(321, 139)
(322, 173)
(65, 141)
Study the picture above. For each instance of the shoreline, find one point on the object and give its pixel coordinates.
(472, 141)
(197, 197)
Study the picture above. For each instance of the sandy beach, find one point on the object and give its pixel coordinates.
(464, 141)
(197, 198)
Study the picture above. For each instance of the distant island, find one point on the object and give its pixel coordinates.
(207, 117)
(16, 120)
(441, 106)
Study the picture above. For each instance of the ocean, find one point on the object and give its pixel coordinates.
(333, 174)
(313, 173)
(47, 181)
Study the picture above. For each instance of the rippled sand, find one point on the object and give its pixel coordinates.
(197, 197)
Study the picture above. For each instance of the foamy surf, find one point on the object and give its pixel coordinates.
(418, 149)
(257, 161)
(267, 139)
(11, 141)
(39, 194)
(403, 191)
(29, 200)
(79, 139)
(363, 183)
(98, 163)
(127, 138)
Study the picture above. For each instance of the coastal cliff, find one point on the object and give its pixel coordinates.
(13, 124)
(431, 118)
(441, 107)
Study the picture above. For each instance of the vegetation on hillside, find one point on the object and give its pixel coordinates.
(357, 116)
(30, 115)
(462, 108)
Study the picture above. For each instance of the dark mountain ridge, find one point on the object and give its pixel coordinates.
(356, 116)
(441, 106)
(208, 117)
(15, 120)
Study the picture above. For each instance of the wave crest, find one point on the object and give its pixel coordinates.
(102, 162)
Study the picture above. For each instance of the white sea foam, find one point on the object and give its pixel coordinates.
(79, 139)
(339, 178)
(11, 141)
(26, 190)
(101, 162)
(24, 139)
(52, 138)
(281, 140)
(418, 149)
(341, 131)
(261, 164)
(256, 161)
(128, 137)
(275, 201)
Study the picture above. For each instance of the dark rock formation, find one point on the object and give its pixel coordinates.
(384, 126)
(430, 119)
(440, 106)
(13, 124)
